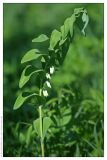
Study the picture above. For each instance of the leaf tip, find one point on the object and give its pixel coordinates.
(15, 107)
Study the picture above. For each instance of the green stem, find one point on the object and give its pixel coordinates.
(41, 130)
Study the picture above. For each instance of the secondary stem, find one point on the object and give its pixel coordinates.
(41, 130)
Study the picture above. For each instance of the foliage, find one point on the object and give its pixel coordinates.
(75, 100)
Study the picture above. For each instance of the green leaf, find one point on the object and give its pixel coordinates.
(52, 100)
(71, 24)
(46, 124)
(55, 38)
(62, 31)
(65, 116)
(22, 138)
(66, 27)
(65, 120)
(43, 59)
(31, 55)
(25, 78)
(62, 41)
(40, 38)
(20, 100)
(36, 124)
(28, 135)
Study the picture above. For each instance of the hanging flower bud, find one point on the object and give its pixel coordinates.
(52, 69)
(48, 76)
(48, 84)
(45, 93)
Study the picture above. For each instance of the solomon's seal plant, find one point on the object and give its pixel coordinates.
(43, 66)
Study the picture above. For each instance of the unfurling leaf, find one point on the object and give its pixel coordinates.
(31, 55)
(20, 100)
(40, 38)
(25, 78)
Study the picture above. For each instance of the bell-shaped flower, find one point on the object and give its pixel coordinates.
(52, 69)
(48, 84)
(45, 93)
(48, 76)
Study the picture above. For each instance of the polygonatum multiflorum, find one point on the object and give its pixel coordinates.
(43, 66)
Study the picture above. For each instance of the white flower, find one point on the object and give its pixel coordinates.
(48, 84)
(52, 69)
(45, 93)
(48, 76)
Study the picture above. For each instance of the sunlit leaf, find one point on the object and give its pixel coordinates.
(62, 41)
(40, 38)
(65, 120)
(55, 38)
(25, 78)
(46, 124)
(71, 24)
(20, 100)
(31, 55)
(62, 31)
(66, 27)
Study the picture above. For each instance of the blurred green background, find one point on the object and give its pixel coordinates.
(22, 23)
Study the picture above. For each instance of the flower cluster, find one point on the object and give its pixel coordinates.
(48, 76)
